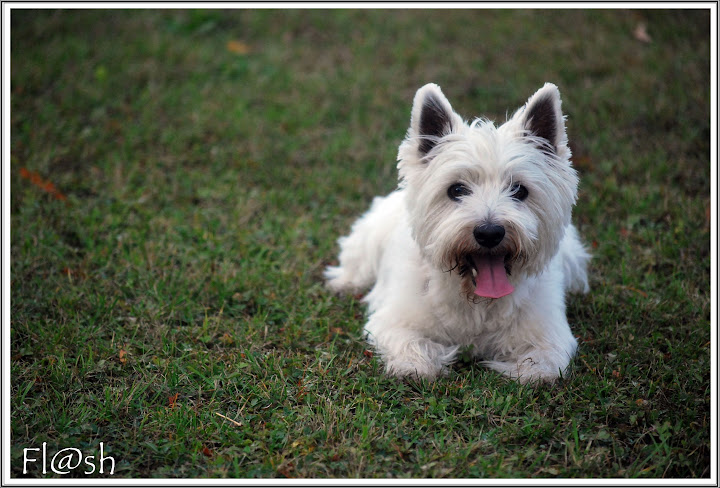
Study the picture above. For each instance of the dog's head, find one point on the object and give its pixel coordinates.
(490, 203)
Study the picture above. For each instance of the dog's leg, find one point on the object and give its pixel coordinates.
(405, 350)
(539, 345)
(535, 364)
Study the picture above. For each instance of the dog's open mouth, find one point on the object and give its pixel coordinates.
(490, 275)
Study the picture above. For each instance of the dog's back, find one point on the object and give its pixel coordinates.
(362, 250)
(574, 259)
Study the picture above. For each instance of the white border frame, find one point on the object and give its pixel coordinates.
(6, 480)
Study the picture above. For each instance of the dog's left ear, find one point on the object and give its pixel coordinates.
(543, 117)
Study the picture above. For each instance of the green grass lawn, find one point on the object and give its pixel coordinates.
(166, 290)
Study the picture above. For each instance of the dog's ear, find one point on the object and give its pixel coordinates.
(542, 117)
(432, 118)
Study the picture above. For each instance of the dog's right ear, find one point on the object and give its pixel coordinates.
(432, 118)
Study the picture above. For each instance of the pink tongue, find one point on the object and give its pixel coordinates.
(491, 280)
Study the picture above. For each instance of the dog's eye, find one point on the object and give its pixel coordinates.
(458, 190)
(518, 192)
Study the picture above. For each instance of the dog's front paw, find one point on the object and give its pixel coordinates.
(528, 370)
(420, 359)
(415, 370)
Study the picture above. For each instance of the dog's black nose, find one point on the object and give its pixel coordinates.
(489, 235)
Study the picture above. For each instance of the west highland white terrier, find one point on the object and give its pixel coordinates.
(475, 249)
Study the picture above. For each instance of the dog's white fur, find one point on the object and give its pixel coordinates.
(412, 245)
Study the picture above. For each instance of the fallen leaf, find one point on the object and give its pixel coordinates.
(238, 47)
(287, 470)
(172, 400)
(45, 185)
(640, 33)
(300, 395)
(630, 288)
(401, 453)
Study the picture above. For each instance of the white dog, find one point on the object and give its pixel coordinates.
(475, 249)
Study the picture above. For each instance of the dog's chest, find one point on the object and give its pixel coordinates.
(458, 321)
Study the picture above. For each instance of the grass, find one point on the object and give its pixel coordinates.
(210, 159)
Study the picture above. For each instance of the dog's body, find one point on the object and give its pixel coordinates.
(475, 248)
